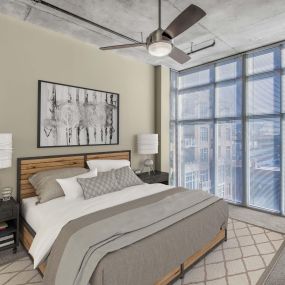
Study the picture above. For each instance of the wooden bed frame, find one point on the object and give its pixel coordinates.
(31, 165)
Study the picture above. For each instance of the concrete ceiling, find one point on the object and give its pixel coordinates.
(236, 25)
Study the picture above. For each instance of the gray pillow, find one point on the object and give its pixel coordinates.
(45, 183)
(126, 177)
(102, 184)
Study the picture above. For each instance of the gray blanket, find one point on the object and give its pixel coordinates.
(83, 243)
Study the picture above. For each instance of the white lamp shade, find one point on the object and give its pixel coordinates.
(5, 150)
(147, 143)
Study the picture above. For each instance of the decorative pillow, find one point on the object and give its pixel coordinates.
(71, 187)
(45, 183)
(104, 183)
(104, 165)
(126, 177)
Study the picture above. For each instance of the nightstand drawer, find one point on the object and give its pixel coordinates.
(9, 213)
(6, 213)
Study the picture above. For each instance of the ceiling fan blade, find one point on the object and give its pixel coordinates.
(184, 21)
(123, 46)
(179, 55)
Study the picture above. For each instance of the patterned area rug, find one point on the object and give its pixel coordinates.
(19, 272)
(242, 260)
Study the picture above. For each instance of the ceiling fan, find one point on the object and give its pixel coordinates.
(160, 42)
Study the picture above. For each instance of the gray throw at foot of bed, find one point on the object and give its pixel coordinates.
(84, 242)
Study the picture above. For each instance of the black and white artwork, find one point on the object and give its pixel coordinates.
(76, 116)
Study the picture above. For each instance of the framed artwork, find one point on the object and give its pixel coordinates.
(75, 116)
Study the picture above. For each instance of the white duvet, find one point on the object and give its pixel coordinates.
(55, 217)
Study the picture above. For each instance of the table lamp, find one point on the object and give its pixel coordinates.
(147, 144)
(6, 160)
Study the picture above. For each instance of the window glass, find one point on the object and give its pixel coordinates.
(229, 161)
(195, 78)
(173, 93)
(172, 155)
(263, 93)
(197, 104)
(283, 56)
(230, 69)
(262, 61)
(264, 163)
(283, 91)
(196, 159)
(228, 99)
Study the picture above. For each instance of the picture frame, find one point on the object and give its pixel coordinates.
(70, 116)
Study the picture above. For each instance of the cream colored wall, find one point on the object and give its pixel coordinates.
(162, 78)
(29, 53)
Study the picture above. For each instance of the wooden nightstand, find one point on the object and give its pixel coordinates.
(9, 213)
(157, 177)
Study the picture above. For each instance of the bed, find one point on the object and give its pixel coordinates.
(33, 217)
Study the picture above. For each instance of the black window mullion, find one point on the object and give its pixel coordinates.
(282, 190)
(177, 151)
(245, 154)
(276, 72)
(214, 175)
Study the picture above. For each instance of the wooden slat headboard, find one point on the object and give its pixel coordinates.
(109, 155)
(28, 166)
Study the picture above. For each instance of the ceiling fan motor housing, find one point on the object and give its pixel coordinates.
(158, 44)
(158, 36)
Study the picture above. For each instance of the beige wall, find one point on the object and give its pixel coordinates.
(29, 53)
(162, 78)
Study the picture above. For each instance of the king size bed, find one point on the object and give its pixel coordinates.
(144, 234)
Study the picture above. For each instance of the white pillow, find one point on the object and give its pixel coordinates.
(103, 165)
(71, 187)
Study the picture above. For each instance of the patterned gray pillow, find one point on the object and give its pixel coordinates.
(126, 177)
(102, 184)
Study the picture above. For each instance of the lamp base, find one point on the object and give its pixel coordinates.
(148, 164)
(6, 193)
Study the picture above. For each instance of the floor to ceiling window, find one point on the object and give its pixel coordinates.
(227, 128)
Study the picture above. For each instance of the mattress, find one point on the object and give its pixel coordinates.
(37, 215)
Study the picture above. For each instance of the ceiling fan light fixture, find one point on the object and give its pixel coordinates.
(160, 49)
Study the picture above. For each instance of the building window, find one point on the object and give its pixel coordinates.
(228, 134)
(190, 180)
(189, 142)
(219, 151)
(228, 153)
(204, 134)
(204, 154)
(228, 170)
(204, 177)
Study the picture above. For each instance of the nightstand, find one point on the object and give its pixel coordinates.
(9, 213)
(156, 177)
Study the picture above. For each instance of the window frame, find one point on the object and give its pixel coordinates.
(244, 117)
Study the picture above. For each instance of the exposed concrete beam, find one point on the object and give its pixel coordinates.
(237, 25)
